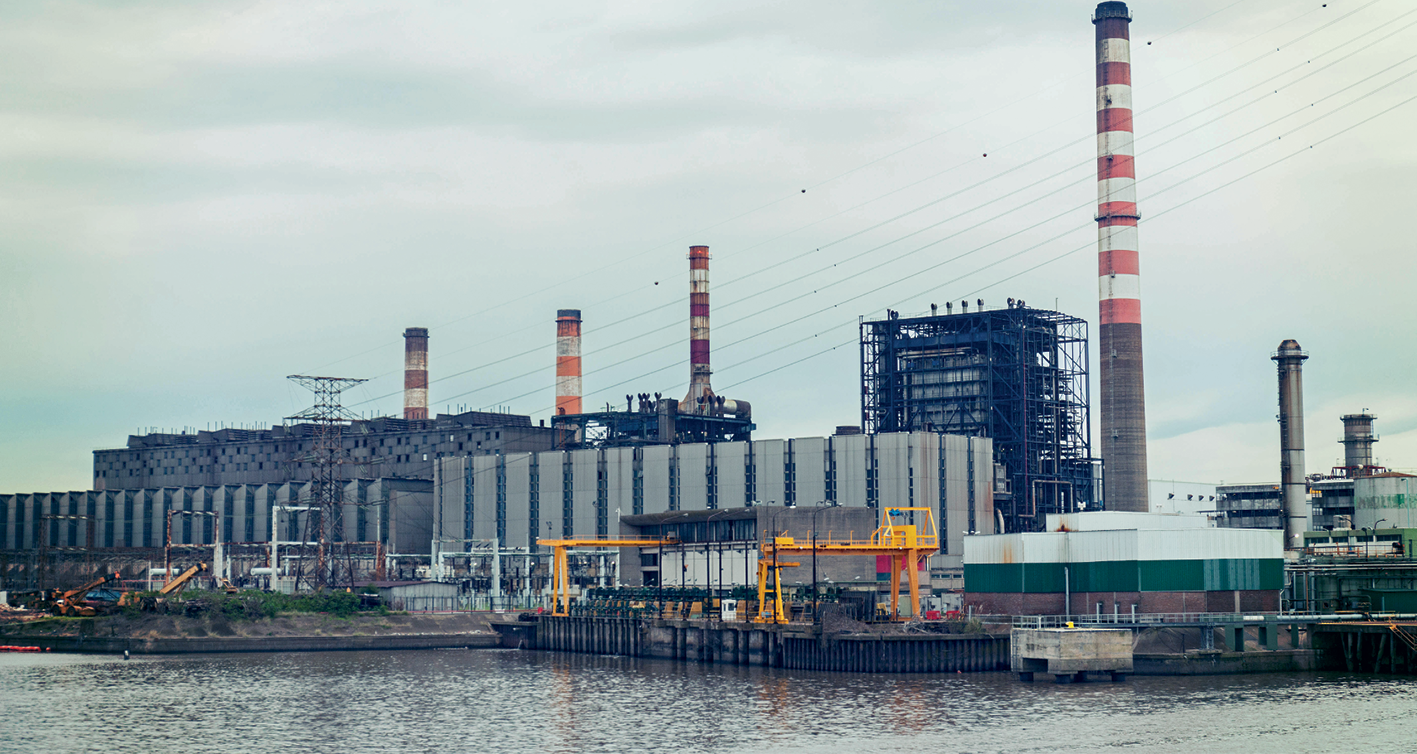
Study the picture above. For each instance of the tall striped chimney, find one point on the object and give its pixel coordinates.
(415, 373)
(697, 401)
(568, 361)
(1122, 399)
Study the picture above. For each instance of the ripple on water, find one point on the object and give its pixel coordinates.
(510, 701)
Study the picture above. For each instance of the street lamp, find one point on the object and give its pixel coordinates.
(815, 605)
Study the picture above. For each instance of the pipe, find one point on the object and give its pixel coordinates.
(1122, 395)
(415, 373)
(568, 361)
(1290, 361)
(737, 408)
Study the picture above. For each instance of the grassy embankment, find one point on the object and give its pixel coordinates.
(251, 614)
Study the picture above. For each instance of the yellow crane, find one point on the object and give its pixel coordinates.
(72, 601)
(560, 579)
(907, 545)
(178, 584)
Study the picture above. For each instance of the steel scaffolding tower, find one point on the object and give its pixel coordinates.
(1016, 375)
(326, 490)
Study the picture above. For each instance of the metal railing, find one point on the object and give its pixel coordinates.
(1162, 619)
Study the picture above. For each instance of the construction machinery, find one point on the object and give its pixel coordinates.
(906, 535)
(560, 579)
(176, 585)
(71, 603)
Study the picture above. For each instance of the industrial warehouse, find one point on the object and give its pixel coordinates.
(993, 491)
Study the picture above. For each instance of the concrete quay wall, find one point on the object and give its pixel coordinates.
(117, 645)
(791, 647)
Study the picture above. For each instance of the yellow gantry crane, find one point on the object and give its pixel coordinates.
(560, 579)
(907, 545)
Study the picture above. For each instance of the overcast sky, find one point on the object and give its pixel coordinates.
(202, 198)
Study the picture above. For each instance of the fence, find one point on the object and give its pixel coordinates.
(466, 603)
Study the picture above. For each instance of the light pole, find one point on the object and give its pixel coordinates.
(708, 533)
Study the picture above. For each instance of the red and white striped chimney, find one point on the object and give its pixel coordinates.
(568, 361)
(415, 373)
(1122, 398)
(699, 390)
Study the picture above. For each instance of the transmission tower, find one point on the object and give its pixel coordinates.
(326, 456)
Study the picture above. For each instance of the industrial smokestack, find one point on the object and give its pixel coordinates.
(568, 361)
(1358, 439)
(415, 373)
(1290, 359)
(698, 400)
(1122, 397)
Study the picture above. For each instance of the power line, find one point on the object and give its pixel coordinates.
(637, 337)
(1067, 212)
(782, 199)
(1092, 245)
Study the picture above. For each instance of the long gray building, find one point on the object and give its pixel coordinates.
(382, 447)
(396, 512)
(517, 498)
(520, 497)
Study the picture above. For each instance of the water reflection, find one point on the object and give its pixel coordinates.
(505, 701)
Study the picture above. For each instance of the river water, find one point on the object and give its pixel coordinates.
(509, 700)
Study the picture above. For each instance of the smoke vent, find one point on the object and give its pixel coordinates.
(1121, 388)
(1290, 361)
(1358, 439)
(700, 398)
(568, 361)
(415, 373)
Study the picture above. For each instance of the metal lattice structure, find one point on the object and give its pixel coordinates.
(655, 424)
(1016, 375)
(327, 456)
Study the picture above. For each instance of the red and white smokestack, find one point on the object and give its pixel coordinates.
(568, 361)
(700, 393)
(415, 373)
(1122, 396)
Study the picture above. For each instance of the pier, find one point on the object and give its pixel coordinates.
(796, 647)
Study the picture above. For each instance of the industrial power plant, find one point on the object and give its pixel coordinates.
(990, 478)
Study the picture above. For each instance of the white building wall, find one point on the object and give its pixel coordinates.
(730, 458)
(985, 520)
(851, 466)
(657, 478)
(956, 519)
(693, 478)
(809, 454)
(620, 486)
(768, 464)
(893, 461)
(484, 497)
(518, 500)
(549, 490)
(584, 466)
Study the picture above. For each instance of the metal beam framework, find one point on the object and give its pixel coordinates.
(907, 542)
(610, 429)
(560, 578)
(1016, 375)
(329, 419)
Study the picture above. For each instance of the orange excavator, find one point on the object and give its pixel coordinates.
(71, 603)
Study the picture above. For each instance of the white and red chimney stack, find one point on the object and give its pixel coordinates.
(700, 392)
(1122, 399)
(415, 373)
(568, 361)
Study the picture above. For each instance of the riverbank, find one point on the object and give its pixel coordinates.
(299, 632)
